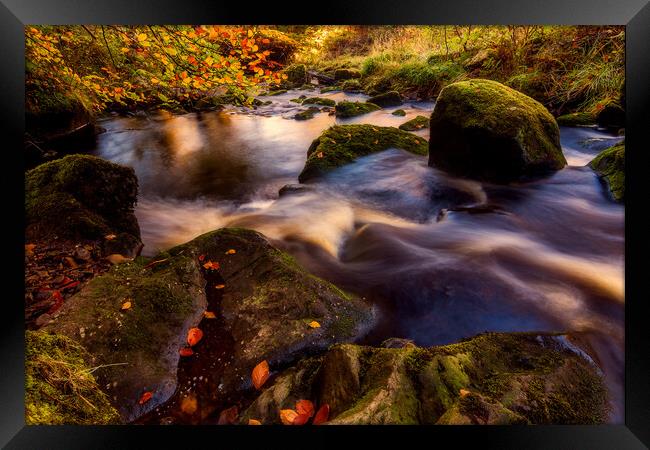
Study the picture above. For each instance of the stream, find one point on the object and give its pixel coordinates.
(546, 255)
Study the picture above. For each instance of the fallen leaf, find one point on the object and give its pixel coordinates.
(301, 419)
(287, 416)
(29, 249)
(189, 404)
(194, 335)
(305, 407)
(126, 305)
(232, 251)
(71, 262)
(201, 257)
(211, 265)
(186, 351)
(220, 286)
(464, 392)
(228, 416)
(116, 258)
(314, 324)
(155, 263)
(110, 237)
(322, 415)
(319, 155)
(209, 315)
(260, 374)
(254, 422)
(145, 397)
(58, 301)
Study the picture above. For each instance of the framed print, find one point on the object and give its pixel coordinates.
(286, 226)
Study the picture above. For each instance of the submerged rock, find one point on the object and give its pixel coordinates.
(352, 85)
(610, 166)
(346, 74)
(485, 130)
(342, 144)
(399, 112)
(305, 115)
(391, 98)
(494, 378)
(351, 109)
(417, 123)
(318, 101)
(82, 197)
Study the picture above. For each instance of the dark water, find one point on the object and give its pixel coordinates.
(545, 255)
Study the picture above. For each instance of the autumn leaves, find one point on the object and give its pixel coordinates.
(303, 412)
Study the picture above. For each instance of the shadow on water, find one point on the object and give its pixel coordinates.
(444, 258)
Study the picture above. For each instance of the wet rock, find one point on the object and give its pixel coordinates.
(399, 112)
(342, 144)
(296, 74)
(612, 116)
(351, 109)
(610, 167)
(478, 381)
(482, 129)
(290, 189)
(346, 74)
(417, 123)
(352, 85)
(397, 343)
(576, 119)
(390, 98)
(319, 101)
(305, 115)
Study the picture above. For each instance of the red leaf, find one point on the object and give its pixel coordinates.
(305, 407)
(58, 302)
(322, 415)
(186, 351)
(300, 419)
(260, 374)
(145, 397)
(194, 335)
(201, 257)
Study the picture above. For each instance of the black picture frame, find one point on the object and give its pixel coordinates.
(634, 14)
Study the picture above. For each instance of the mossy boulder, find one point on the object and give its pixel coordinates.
(417, 123)
(81, 197)
(494, 378)
(319, 101)
(351, 109)
(352, 85)
(576, 119)
(610, 166)
(400, 112)
(482, 129)
(137, 348)
(390, 98)
(277, 92)
(346, 74)
(305, 115)
(342, 144)
(296, 74)
(612, 116)
(60, 388)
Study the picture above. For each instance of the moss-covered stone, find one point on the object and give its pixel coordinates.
(390, 98)
(81, 197)
(494, 378)
(346, 74)
(399, 112)
(351, 109)
(352, 85)
(319, 101)
(330, 89)
(59, 385)
(278, 92)
(576, 119)
(342, 144)
(485, 130)
(612, 116)
(417, 123)
(296, 74)
(305, 115)
(610, 166)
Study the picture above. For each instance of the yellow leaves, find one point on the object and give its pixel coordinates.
(284, 76)
(260, 374)
(250, 33)
(314, 324)
(187, 80)
(209, 315)
(125, 49)
(194, 335)
(29, 249)
(142, 37)
(189, 404)
(209, 60)
(464, 392)
(155, 80)
(126, 305)
(231, 251)
(211, 265)
(254, 422)
(287, 416)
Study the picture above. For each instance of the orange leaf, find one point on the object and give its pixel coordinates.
(464, 392)
(220, 286)
(322, 415)
(305, 407)
(287, 416)
(254, 422)
(232, 251)
(194, 335)
(301, 419)
(211, 265)
(145, 397)
(186, 351)
(260, 374)
(209, 315)
(189, 404)
(314, 324)
(228, 416)
(126, 305)
(29, 249)
(110, 237)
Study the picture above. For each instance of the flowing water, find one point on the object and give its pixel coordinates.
(444, 258)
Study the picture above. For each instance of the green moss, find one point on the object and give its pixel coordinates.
(399, 112)
(330, 89)
(319, 101)
(59, 385)
(305, 115)
(351, 109)
(575, 119)
(296, 74)
(416, 123)
(391, 98)
(278, 92)
(346, 74)
(610, 166)
(342, 144)
(352, 85)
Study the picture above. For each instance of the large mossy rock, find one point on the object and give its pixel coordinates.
(494, 378)
(416, 123)
(296, 75)
(576, 119)
(610, 166)
(482, 129)
(351, 109)
(60, 388)
(342, 144)
(270, 300)
(391, 98)
(346, 74)
(82, 197)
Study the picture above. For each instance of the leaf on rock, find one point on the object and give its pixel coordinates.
(322, 415)
(232, 251)
(126, 305)
(287, 416)
(228, 416)
(211, 265)
(201, 258)
(464, 392)
(116, 258)
(29, 249)
(110, 237)
(209, 315)
(301, 419)
(220, 286)
(189, 404)
(254, 422)
(305, 407)
(186, 351)
(194, 335)
(260, 374)
(314, 324)
(145, 397)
